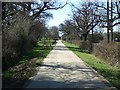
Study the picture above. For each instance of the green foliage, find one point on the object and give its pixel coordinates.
(109, 72)
(8, 74)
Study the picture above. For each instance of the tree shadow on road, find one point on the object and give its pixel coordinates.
(64, 48)
(68, 66)
(46, 81)
(51, 82)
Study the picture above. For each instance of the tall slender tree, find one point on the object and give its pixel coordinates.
(108, 23)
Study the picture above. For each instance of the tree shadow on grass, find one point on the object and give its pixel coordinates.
(78, 49)
(42, 47)
(25, 68)
(37, 52)
(64, 48)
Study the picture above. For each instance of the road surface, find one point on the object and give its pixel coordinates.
(63, 69)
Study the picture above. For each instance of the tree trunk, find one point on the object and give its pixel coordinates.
(81, 37)
(92, 36)
(85, 37)
(108, 35)
(111, 22)
(92, 28)
(111, 34)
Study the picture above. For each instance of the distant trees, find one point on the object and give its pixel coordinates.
(90, 15)
(54, 32)
(68, 29)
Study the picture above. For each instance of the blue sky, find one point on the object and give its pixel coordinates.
(59, 16)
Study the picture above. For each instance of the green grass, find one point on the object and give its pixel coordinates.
(107, 71)
(8, 74)
(118, 43)
(40, 51)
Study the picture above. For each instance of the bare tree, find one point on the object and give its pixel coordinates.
(85, 18)
(112, 17)
(44, 6)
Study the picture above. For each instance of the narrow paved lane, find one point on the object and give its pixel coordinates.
(63, 69)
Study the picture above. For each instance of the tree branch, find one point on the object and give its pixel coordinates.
(46, 7)
(38, 13)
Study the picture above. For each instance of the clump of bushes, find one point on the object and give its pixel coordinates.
(108, 51)
(19, 37)
(14, 39)
(85, 45)
(76, 42)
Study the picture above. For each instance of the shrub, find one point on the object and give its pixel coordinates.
(14, 39)
(109, 52)
(85, 45)
(19, 37)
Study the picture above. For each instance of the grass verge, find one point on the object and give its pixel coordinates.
(108, 72)
(27, 67)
